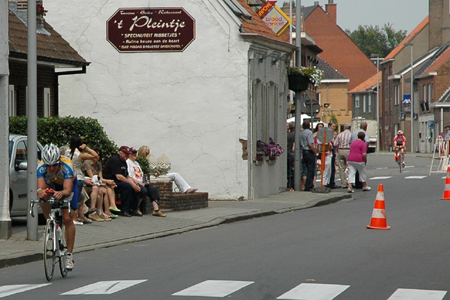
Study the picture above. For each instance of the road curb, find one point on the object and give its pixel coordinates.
(32, 257)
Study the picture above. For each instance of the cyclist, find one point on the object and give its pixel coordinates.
(57, 173)
(399, 143)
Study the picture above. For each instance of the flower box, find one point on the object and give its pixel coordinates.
(298, 82)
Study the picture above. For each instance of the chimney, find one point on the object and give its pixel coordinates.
(331, 10)
(436, 8)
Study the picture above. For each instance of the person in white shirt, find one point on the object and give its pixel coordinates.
(136, 174)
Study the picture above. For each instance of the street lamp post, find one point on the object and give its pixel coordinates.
(412, 96)
(377, 58)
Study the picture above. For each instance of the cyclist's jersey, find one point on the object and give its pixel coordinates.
(399, 140)
(56, 181)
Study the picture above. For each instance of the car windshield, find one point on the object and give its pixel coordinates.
(11, 144)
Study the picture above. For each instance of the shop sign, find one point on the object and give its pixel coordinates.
(274, 17)
(150, 30)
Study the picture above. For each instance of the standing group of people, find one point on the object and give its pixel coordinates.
(346, 150)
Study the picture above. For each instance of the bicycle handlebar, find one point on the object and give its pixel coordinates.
(65, 200)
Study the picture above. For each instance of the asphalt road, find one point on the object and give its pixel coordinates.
(315, 254)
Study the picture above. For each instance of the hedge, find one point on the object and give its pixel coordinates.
(59, 130)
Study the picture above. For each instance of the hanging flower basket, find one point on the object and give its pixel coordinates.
(298, 82)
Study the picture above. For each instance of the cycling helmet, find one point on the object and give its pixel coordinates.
(51, 155)
(399, 132)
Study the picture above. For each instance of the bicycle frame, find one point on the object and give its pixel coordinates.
(54, 242)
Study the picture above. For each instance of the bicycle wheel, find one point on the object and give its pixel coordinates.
(62, 248)
(49, 249)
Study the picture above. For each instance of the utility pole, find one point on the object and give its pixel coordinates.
(32, 228)
(298, 98)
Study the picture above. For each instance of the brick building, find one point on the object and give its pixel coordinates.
(425, 50)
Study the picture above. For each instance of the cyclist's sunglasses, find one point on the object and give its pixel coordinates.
(57, 164)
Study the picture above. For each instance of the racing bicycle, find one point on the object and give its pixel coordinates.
(399, 157)
(54, 235)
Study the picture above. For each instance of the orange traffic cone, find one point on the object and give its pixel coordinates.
(447, 186)
(379, 214)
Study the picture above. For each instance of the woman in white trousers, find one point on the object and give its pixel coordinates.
(182, 185)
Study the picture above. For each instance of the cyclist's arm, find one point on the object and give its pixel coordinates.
(41, 186)
(67, 190)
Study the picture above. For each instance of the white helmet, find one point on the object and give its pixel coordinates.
(399, 132)
(51, 155)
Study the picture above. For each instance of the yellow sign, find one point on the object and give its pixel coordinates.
(276, 19)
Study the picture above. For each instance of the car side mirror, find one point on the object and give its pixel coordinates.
(23, 165)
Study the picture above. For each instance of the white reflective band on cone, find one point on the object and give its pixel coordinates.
(378, 213)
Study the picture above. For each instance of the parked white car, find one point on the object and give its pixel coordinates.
(18, 156)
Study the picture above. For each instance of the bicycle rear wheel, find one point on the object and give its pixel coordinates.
(49, 249)
(62, 248)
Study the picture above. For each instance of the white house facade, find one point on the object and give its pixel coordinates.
(194, 100)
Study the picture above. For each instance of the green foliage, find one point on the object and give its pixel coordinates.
(143, 162)
(375, 40)
(58, 131)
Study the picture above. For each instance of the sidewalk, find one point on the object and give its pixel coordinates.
(18, 250)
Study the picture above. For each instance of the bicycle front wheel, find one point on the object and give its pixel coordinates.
(49, 249)
(63, 249)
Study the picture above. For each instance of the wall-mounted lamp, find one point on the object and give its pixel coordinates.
(275, 59)
(326, 105)
(264, 56)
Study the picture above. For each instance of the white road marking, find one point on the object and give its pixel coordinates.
(415, 177)
(213, 288)
(104, 287)
(409, 294)
(314, 291)
(380, 177)
(8, 290)
(409, 167)
(382, 168)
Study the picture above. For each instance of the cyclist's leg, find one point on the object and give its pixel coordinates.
(403, 154)
(68, 220)
(45, 207)
(396, 152)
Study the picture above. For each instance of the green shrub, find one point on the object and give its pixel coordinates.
(59, 130)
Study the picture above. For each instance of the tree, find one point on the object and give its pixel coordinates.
(375, 40)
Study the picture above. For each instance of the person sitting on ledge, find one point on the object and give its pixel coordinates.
(116, 168)
(182, 185)
(135, 171)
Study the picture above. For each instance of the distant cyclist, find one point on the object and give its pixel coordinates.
(57, 173)
(399, 143)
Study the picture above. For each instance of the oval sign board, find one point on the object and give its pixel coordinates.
(150, 29)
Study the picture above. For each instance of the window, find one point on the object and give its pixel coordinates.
(357, 101)
(47, 102)
(424, 95)
(396, 95)
(12, 101)
(369, 106)
(364, 103)
(430, 93)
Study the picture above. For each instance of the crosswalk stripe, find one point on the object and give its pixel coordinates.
(409, 294)
(415, 177)
(8, 290)
(380, 177)
(314, 291)
(213, 288)
(104, 287)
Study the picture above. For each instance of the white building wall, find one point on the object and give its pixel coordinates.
(5, 220)
(190, 105)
